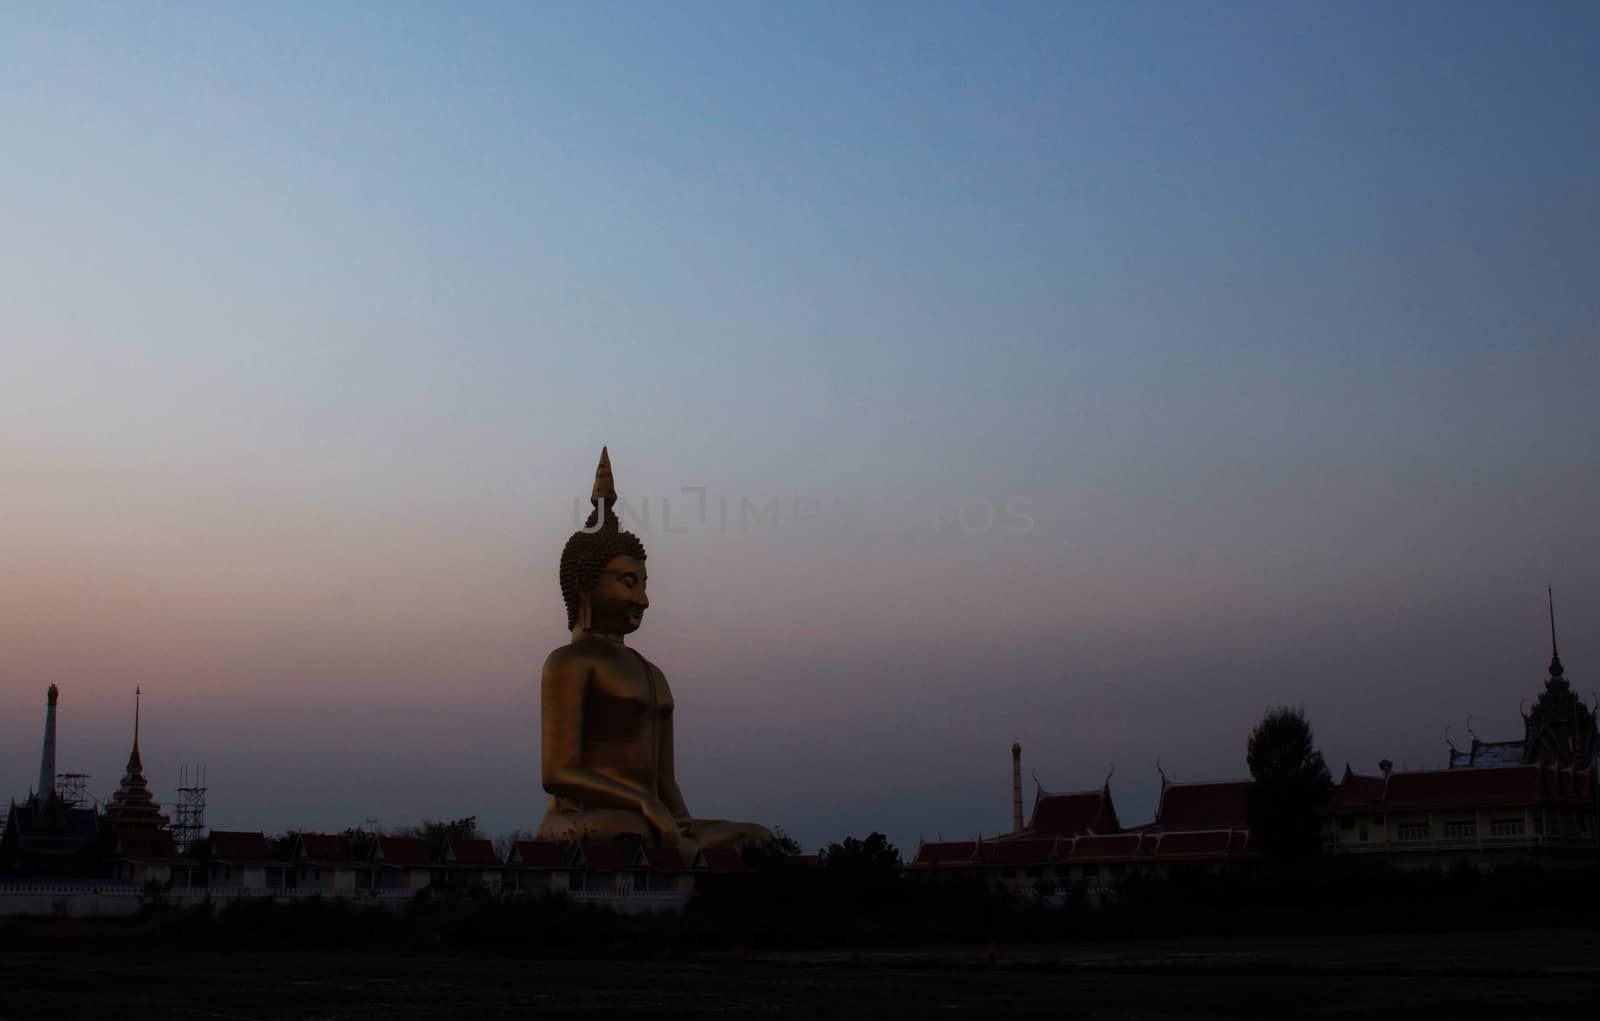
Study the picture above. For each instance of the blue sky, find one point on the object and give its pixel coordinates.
(1281, 317)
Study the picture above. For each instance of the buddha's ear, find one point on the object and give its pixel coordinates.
(585, 612)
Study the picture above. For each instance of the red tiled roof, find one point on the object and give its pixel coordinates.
(1462, 788)
(1356, 791)
(606, 856)
(238, 846)
(1199, 806)
(142, 842)
(1200, 844)
(1570, 783)
(402, 850)
(666, 859)
(539, 853)
(722, 859)
(1068, 815)
(947, 852)
(327, 847)
(473, 852)
(1123, 847)
(1036, 851)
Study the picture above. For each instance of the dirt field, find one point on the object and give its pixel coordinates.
(1415, 977)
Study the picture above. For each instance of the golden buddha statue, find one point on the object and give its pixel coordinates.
(607, 711)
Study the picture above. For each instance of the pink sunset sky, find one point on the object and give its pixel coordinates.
(312, 325)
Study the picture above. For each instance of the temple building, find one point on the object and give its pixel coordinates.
(48, 835)
(1496, 802)
(133, 805)
(1560, 731)
(1075, 840)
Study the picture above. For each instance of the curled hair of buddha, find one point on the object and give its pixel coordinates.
(588, 552)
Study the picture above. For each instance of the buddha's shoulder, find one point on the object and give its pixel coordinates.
(585, 655)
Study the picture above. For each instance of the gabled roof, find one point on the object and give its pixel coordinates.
(1461, 788)
(324, 847)
(52, 828)
(1096, 849)
(537, 854)
(236, 846)
(946, 852)
(471, 852)
(1201, 806)
(1032, 851)
(1488, 753)
(1075, 813)
(400, 850)
(1356, 790)
(1195, 845)
(142, 843)
(720, 859)
(667, 859)
(1472, 786)
(608, 856)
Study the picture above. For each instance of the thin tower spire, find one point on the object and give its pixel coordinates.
(47, 754)
(1556, 670)
(135, 763)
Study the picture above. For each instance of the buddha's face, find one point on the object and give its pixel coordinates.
(617, 601)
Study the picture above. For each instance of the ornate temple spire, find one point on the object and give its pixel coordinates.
(605, 488)
(1560, 730)
(133, 804)
(135, 763)
(1556, 669)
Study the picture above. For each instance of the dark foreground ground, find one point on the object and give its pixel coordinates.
(1436, 976)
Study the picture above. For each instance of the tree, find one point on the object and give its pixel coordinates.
(774, 855)
(1291, 783)
(872, 857)
(436, 833)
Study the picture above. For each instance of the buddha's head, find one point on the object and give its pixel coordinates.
(602, 568)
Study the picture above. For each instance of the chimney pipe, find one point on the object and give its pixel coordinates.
(1016, 787)
(47, 758)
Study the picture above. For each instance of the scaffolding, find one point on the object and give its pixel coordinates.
(190, 815)
(73, 789)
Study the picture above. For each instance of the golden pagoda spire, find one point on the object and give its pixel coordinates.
(605, 487)
(133, 804)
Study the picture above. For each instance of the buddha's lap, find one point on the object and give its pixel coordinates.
(566, 825)
(561, 824)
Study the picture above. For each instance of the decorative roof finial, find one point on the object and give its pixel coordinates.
(1556, 669)
(605, 488)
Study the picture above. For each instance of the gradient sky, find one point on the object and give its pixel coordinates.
(1282, 319)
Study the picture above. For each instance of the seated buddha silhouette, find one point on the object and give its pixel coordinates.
(607, 711)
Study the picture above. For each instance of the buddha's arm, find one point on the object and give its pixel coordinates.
(666, 770)
(561, 695)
